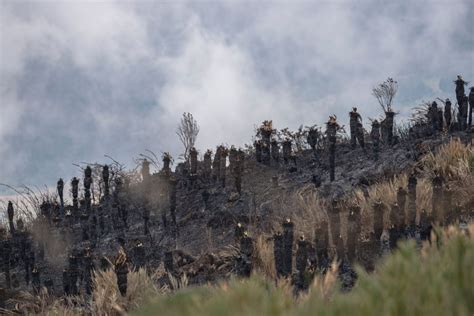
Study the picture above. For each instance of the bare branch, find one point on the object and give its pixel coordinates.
(187, 132)
(385, 93)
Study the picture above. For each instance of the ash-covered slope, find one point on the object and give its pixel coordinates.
(355, 168)
(187, 220)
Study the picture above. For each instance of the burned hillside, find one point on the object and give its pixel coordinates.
(288, 206)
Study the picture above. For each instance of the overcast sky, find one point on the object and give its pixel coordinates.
(83, 79)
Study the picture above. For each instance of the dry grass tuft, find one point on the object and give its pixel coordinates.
(263, 260)
(43, 303)
(312, 210)
(304, 207)
(324, 285)
(451, 160)
(177, 283)
(106, 298)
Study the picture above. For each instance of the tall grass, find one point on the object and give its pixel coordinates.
(436, 281)
(452, 161)
(105, 299)
(263, 259)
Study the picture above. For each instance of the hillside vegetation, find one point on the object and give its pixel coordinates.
(428, 278)
(436, 280)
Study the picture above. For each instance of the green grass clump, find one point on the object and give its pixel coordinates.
(254, 296)
(438, 280)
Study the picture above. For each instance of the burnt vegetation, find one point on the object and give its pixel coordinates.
(298, 206)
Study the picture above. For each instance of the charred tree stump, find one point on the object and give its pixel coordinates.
(237, 172)
(366, 252)
(258, 151)
(105, 179)
(11, 214)
(301, 261)
(401, 201)
(266, 155)
(447, 114)
(168, 261)
(278, 254)
(354, 118)
(27, 255)
(139, 255)
(335, 222)
(275, 149)
(73, 275)
(375, 137)
(353, 233)
(322, 245)
(121, 271)
(425, 225)
(193, 157)
(75, 195)
(302, 255)
(396, 224)
(331, 132)
(332, 161)
(49, 285)
(246, 245)
(216, 164)
(286, 151)
(60, 189)
(388, 127)
(239, 232)
(87, 188)
(207, 165)
(36, 281)
(378, 209)
(223, 166)
(288, 228)
(360, 135)
(233, 155)
(166, 170)
(145, 170)
(411, 218)
(66, 282)
(85, 231)
(266, 134)
(244, 261)
(88, 272)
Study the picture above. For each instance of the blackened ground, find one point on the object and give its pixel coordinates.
(203, 242)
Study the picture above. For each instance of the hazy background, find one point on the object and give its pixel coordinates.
(83, 79)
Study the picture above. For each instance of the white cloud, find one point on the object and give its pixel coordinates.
(216, 81)
(91, 78)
